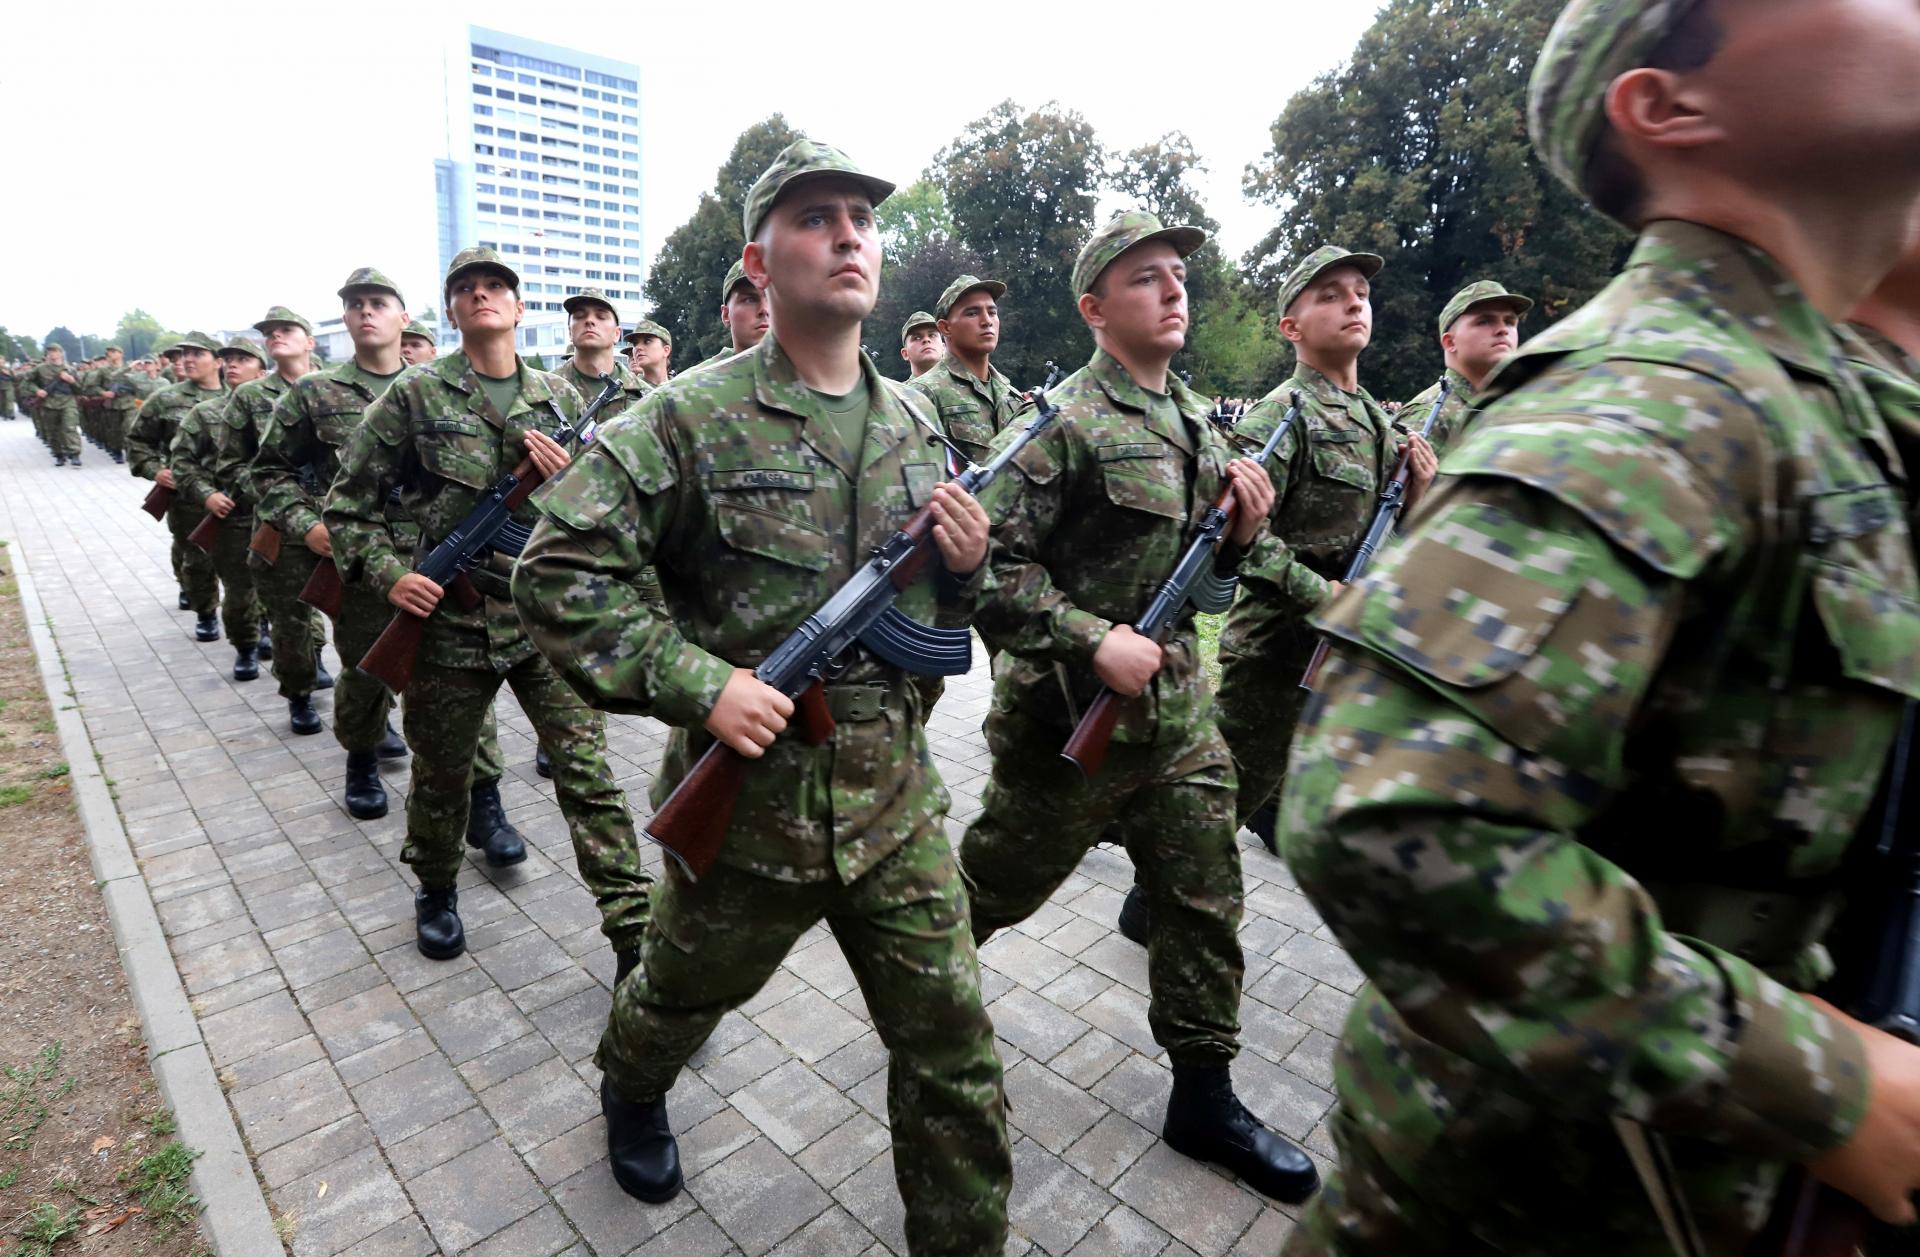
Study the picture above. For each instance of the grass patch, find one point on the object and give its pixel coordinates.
(56, 772)
(22, 1107)
(14, 796)
(46, 1225)
(160, 1180)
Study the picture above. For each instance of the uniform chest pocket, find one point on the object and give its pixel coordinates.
(333, 427)
(1144, 476)
(1342, 454)
(1874, 628)
(764, 511)
(457, 450)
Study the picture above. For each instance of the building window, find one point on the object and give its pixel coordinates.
(483, 111)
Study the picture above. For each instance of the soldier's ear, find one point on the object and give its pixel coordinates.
(1290, 328)
(1662, 109)
(1089, 311)
(1446, 342)
(753, 259)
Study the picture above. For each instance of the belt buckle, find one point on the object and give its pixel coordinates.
(858, 704)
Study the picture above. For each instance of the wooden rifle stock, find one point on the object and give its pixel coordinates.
(323, 590)
(1810, 1219)
(390, 659)
(1312, 674)
(158, 501)
(265, 542)
(206, 533)
(1088, 745)
(692, 824)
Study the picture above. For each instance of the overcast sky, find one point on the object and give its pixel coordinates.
(205, 163)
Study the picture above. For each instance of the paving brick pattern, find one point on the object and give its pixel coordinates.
(396, 1105)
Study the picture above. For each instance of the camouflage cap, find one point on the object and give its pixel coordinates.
(1120, 234)
(1481, 292)
(199, 340)
(250, 348)
(1592, 43)
(479, 258)
(1317, 263)
(919, 318)
(803, 159)
(167, 343)
(280, 314)
(417, 328)
(961, 287)
(736, 274)
(367, 277)
(112, 349)
(647, 327)
(585, 295)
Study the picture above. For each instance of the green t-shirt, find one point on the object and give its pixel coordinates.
(381, 381)
(846, 417)
(501, 391)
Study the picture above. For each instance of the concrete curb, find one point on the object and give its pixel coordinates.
(235, 1219)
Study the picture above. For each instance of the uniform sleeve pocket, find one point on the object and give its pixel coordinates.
(1875, 630)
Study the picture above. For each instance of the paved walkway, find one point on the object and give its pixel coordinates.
(394, 1105)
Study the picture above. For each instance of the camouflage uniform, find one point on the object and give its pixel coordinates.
(149, 441)
(972, 411)
(299, 633)
(1455, 412)
(130, 388)
(298, 458)
(57, 418)
(435, 437)
(1325, 490)
(1101, 508)
(7, 407)
(632, 390)
(1607, 723)
(734, 484)
(192, 455)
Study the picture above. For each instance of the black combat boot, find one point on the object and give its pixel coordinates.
(119, 459)
(73, 460)
(640, 1146)
(246, 663)
(59, 460)
(392, 746)
(437, 931)
(266, 641)
(488, 830)
(322, 679)
(542, 762)
(1136, 916)
(301, 716)
(206, 629)
(1207, 1122)
(1265, 822)
(186, 603)
(366, 794)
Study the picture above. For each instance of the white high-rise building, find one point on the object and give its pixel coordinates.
(543, 164)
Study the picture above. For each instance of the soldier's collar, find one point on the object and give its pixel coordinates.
(1734, 282)
(1462, 386)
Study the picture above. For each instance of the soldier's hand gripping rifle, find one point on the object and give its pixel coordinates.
(487, 528)
(1393, 498)
(692, 824)
(1880, 973)
(1192, 580)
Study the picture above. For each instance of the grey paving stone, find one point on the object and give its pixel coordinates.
(411, 1098)
(1049, 1109)
(831, 1234)
(1192, 1203)
(440, 1143)
(758, 1196)
(1107, 1151)
(1052, 1204)
(1033, 1025)
(609, 1220)
(290, 1105)
(810, 1025)
(541, 1233)
(363, 1020)
(540, 1104)
(1124, 1233)
(475, 1195)
(361, 1199)
(792, 1106)
(476, 1024)
(695, 1235)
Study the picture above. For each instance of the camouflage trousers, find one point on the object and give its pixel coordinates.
(115, 429)
(446, 711)
(192, 566)
(1259, 707)
(1172, 805)
(60, 425)
(298, 630)
(361, 705)
(6, 400)
(902, 927)
(239, 604)
(1439, 1157)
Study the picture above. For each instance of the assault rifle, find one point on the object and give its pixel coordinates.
(1192, 580)
(488, 528)
(1878, 982)
(1393, 497)
(692, 824)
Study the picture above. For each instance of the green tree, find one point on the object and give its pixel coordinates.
(1023, 190)
(684, 281)
(1417, 150)
(908, 283)
(63, 337)
(913, 218)
(136, 332)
